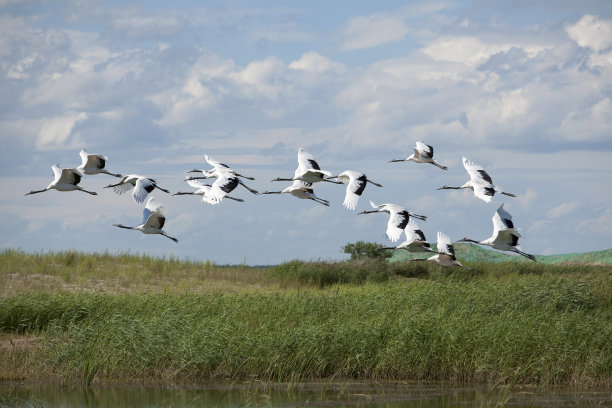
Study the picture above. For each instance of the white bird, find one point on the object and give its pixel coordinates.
(308, 170)
(423, 153)
(64, 180)
(480, 182)
(154, 218)
(301, 190)
(505, 236)
(94, 164)
(207, 192)
(415, 239)
(356, 184)
(217, 167)
(142, 186)
(446, 253)
(225, 183)
(398, 218)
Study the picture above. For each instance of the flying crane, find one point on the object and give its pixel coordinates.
(480, 182)
(64, 180)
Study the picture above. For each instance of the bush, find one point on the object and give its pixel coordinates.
(361, 249)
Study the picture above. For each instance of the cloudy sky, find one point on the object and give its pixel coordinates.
(522, 88)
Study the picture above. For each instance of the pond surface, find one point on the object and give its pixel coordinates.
(384, 394)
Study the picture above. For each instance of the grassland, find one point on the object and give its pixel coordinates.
(90, 318)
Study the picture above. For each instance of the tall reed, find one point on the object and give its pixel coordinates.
(496, 324)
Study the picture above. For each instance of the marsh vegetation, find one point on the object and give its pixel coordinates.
(87, 318)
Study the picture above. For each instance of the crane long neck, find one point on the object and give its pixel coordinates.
(36, 191)
(123, 226)
(469, 240)
(104, 171)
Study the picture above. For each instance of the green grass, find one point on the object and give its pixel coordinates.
(509, 322)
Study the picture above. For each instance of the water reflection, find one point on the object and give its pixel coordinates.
(379, 395)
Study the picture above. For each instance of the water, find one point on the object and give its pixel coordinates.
(379, 395)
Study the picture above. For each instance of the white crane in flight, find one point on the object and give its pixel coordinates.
(505, 236)
(356, 184)
(64, 180)
(153, 220)
(423, 153)
(142, 186)
(218, 167)
(226, 182)
(415, 239)
(210, 194)
(300, 190)
(398, 218)
(446, 253)
(480, 182)
(308, 170)
(94, 164)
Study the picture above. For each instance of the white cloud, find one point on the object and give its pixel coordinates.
(314, 62)
(376, 29)
(562, 210)
(592, 32)
(472, 50)
(56, 131)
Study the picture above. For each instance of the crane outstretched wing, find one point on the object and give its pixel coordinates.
(476, 172)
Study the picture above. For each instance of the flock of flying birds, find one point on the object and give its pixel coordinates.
(505, 235)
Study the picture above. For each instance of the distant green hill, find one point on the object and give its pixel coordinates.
(472, 252)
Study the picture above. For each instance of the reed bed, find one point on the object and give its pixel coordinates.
(299, 321)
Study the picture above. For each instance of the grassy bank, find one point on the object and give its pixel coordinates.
(297, 321)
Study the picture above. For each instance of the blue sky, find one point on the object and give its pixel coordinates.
(523, 89)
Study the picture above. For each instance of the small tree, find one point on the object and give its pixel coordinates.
(361, 249)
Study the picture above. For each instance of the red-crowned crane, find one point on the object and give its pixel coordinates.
(480, 182)
(217, 167)
(142, 186)
(398, 218)
(153, 220)
(415, 239)
(94, 164)
(64, 180)
(356, 184)
(308, 170)
(505, 236)
(446, 253)
(300, 190)
(210, 194)
(423, 153)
